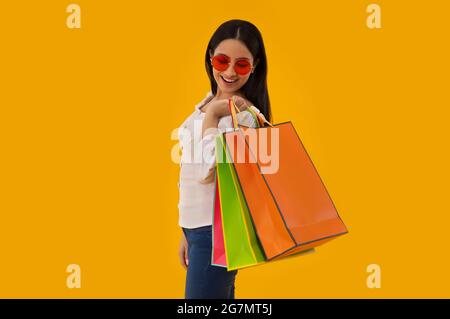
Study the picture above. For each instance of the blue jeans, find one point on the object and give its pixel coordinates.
(203, 280)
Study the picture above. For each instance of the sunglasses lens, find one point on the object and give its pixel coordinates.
(242, 67)
(220, 62)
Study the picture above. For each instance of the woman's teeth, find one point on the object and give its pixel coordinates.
(228, 81)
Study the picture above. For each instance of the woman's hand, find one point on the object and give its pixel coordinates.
(241, 103)
(183, 252)
(219, 108)
(213, 112)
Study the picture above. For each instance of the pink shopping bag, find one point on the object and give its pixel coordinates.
(218, 251)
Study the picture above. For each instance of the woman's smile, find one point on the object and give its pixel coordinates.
(228, 81)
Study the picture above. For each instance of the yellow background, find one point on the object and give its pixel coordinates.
(86, 115)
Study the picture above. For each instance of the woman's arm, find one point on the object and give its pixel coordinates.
(213, 113)
(208, 141)
(219, 109)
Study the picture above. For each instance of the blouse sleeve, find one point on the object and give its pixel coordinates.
(208, 142)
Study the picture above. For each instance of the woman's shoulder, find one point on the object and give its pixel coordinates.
(209, 95)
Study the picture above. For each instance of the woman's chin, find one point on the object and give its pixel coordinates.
(228, 90)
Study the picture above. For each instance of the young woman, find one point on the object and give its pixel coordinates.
(237, 68)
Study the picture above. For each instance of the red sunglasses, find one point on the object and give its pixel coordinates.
(221, 62)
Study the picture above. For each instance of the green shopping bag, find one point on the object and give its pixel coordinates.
(242, 247)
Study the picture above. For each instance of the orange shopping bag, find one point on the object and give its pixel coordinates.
(290, 207)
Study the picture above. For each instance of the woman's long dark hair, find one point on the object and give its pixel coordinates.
(255, 89)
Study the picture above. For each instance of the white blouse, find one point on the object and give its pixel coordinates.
(196, 199)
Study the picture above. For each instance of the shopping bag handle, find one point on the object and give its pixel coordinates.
(233, 108)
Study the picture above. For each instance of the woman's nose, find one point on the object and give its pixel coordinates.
(230, 71)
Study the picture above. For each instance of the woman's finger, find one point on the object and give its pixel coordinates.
(181, 256)
(186, 258)
(240, 103)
